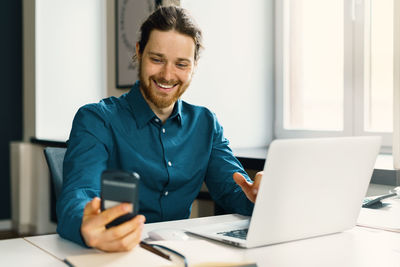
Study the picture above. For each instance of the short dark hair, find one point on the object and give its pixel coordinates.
(171, 18)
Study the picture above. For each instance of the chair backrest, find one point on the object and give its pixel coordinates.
(55, 158)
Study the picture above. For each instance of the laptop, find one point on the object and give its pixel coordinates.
(310, 187)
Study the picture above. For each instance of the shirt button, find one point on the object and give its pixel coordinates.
(157, 120)
(169, 163)
(163, 130)
(166, 193)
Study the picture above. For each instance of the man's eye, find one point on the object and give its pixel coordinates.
(182, 65)
(155, 60)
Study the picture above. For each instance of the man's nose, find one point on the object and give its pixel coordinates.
(167, 72)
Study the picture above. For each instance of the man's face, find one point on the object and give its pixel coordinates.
(166, 67)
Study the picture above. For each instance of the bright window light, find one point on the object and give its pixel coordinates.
(313, 82)
(378, 72)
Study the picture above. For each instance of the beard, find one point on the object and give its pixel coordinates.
(160, 99)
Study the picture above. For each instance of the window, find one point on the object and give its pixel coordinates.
(378, 66)
(334, 68)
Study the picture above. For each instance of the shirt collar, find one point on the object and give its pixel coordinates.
(142, 111)
(177, 112)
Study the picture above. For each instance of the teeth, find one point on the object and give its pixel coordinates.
(166, 86)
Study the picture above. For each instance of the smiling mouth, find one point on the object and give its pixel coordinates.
(165, 86)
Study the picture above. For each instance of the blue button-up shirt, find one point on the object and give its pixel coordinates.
(173, 159)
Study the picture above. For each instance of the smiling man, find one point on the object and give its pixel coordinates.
(165, 70)
(173, 145)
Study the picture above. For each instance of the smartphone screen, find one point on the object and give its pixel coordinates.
(118, 187)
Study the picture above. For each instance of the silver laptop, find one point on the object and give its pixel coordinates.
(310, 187)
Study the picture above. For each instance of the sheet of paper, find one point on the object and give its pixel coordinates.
(387, 218)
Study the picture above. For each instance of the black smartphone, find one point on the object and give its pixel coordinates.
(119, 186)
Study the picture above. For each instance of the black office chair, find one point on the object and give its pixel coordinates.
(55, 158)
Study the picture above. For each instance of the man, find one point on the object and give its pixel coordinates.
(173, 145)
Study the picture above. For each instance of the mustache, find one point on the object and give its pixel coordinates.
(166, 82)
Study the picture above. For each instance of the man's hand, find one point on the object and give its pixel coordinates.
(250, 189)
(118, 238)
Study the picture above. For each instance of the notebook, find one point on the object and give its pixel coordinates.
(386, 218)
(311, 187)
(194, 251)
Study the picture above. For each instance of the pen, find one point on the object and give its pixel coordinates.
(154, 250)
(376, 200)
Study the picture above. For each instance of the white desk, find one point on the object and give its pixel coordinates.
(356, 247)
(19, 252)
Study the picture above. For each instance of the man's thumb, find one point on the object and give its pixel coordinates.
(93, 206)
(239, 179)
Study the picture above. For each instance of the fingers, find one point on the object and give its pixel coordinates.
(241, 181)
(119, 231)
(92, 207)
(249, 189)
(246, 186)
(123, 244)
(125, 236)
(256, 182)
(118, 238)
(111, 214)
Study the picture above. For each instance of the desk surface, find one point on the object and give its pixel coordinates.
(356, 247)
(19, 252)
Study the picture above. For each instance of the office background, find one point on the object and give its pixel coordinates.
(11, 108)
(59, 55)
(62, 55)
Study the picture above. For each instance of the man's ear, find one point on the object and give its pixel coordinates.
(138, 55)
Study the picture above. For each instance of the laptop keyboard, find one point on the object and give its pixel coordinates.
(240, 233)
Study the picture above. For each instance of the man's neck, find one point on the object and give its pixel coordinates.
(162, 113)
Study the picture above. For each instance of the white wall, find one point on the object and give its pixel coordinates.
(235, 75)
(75, 64)
(70, 58)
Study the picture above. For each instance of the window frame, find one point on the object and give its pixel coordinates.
(353, 85)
